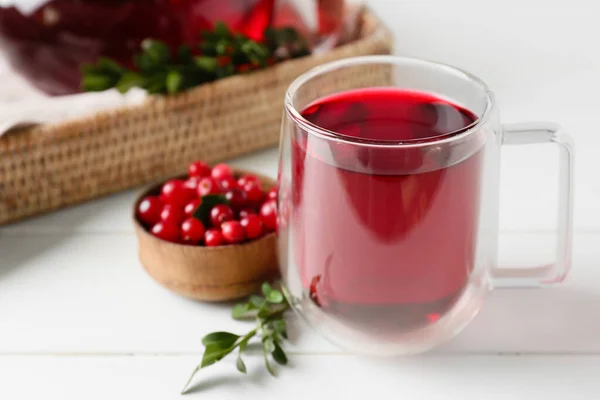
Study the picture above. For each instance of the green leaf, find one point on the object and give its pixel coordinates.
(156, 83)
(205, 63)
(154, 57)
(144, 62)
(110, 66)
(190, 379)
(222, 340)
(272, 328)
(221, 30)
(243, 344)
(275, 297)
(97, 82)
(225, 71)
(158, 51)
(263, 313)
(184, 54)
(240, 311)
(266, 288)
(255, 52)
(221, 47)
(243, 310)
(202, 213)
(257, 301)
(212, 354)
(174, 80)
(240, 364)
(280, 326)
(269, 366)
(279, 355)
(130, 80)
(268, 345)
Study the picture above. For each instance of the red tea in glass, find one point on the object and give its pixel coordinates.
(376, 246)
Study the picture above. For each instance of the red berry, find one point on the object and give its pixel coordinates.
(208, 186)
(199, 169)
(253, 191)
(220, 213)
(236, 198)
(192, 184)
(228, 183)
(233, 232)
(190, 207)
(149, 210)
(245, 212)
(272, 194)
(221, 171)
(252, 226)
(247, 178)
(171, 215)
(268, 214)
(175, 192)
(213, 237)
(166, 231)
(192, 231)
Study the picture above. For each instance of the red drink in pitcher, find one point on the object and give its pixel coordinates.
(380, 247)
(48, 41)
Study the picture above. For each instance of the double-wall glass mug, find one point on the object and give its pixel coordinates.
(389, 201)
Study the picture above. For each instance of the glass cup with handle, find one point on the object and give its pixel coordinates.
(389, 201)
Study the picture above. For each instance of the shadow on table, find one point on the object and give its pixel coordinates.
(19, 250)
(30, 238)
(550, 320)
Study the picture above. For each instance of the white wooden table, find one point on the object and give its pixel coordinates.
(80, 319)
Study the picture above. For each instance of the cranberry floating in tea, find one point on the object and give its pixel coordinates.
(49, 41)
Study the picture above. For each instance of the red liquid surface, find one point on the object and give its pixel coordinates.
(385, 237)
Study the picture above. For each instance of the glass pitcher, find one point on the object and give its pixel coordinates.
(47, 41)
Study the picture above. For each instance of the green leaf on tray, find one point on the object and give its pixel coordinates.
(208, 64)
(174, 81)
(130, 80)
(159, 69)
(93, 82)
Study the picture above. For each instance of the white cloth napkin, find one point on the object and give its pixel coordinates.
(22, 104)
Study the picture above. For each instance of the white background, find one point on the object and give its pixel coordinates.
(80, 319)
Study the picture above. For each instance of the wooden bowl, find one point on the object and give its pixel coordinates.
(208, 273)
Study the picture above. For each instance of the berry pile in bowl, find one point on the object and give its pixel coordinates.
(209, 235)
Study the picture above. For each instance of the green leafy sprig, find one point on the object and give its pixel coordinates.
(220, 53)
(268, 310)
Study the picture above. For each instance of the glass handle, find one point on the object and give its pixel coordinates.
(545, 132)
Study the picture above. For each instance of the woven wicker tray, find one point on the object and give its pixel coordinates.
(48, 167)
